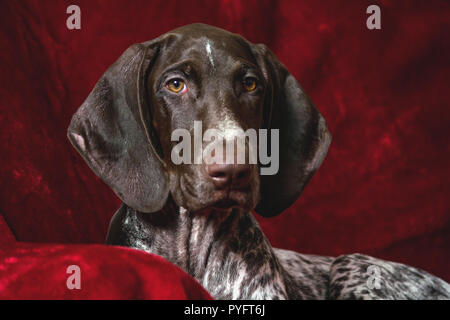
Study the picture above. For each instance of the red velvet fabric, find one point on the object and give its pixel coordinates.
(40, 272)
(383, 188)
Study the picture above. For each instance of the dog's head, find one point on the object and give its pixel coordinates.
(160, 99)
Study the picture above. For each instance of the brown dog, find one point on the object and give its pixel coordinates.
(197, 215)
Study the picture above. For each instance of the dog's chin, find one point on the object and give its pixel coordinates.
(222, 202)
(203, 197)
(227, 203)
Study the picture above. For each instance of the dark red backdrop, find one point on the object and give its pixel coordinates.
(383, 188)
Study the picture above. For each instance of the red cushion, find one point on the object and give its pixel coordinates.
(34, 271)
(39, 271)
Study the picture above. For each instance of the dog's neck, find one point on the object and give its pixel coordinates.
(223, 251)
(204, 233)
(198, 235)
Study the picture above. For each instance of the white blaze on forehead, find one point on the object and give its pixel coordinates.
(209, 53)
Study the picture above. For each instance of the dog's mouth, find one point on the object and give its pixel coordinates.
(232, 199)
(226, 201)
(197, 199)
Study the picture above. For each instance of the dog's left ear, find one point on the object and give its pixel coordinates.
(112, 131)
(303, 133)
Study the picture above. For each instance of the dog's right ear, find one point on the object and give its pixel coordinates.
(112, 131)
(304, 136)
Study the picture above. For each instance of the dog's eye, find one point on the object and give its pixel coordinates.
(176, 85)
(249, 84)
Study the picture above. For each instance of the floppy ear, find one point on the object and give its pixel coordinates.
(304, 137)
(112, 132)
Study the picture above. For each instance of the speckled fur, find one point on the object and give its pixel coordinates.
(350, 279)
(230, 256)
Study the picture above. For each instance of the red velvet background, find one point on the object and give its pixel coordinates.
(383, 188)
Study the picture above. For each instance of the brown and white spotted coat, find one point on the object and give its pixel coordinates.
(232, 259)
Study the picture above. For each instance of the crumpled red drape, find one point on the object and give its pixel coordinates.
(40, 271)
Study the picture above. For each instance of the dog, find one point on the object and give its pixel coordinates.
(198, 216)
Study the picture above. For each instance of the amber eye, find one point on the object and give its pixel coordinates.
(176, 85)
(249, 84)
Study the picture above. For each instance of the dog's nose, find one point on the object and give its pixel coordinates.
(229, 175)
